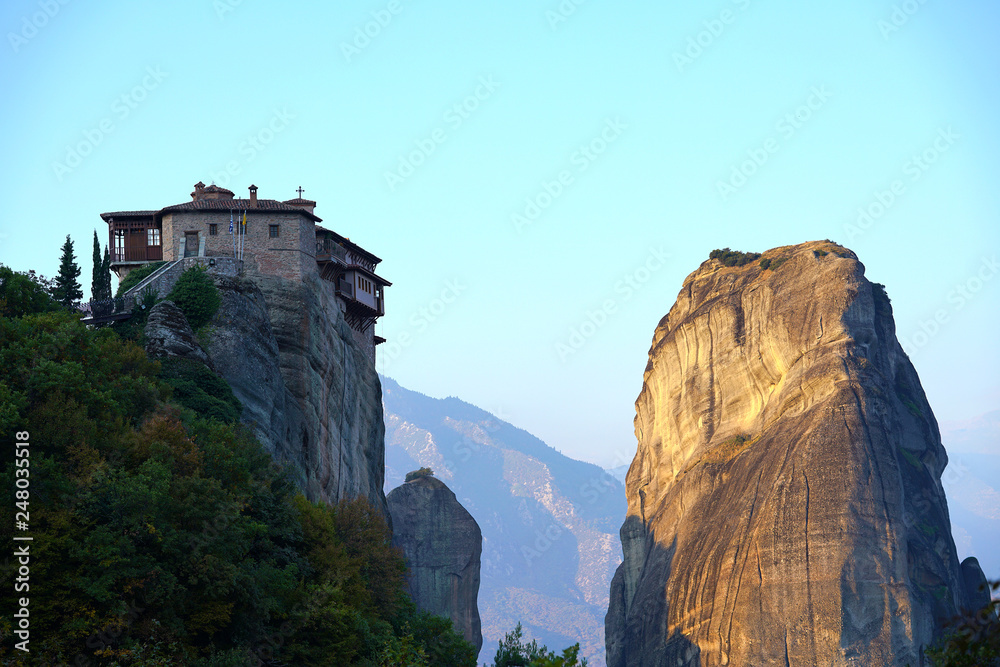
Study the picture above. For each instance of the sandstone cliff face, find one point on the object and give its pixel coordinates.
(309, 391)
(333, 428)
(784, 504)
(443, 545)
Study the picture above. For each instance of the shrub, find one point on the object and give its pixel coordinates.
(729, 449)
(196, 295)
(136, 276)
(765, 264)
(418, 473)
(883, 305)
(972, 639)
(776, 264)
(733, 257)
(148, 298)
(198, 388)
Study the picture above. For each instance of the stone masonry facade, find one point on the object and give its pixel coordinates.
(291, 254)
(280, 239)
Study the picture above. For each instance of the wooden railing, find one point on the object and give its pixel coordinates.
(328, 248)
(345, 287)
(149, 253)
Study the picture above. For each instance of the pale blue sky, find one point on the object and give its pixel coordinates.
(200, 78)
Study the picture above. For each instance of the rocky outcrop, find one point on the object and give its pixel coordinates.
(549, 523)
(442, 545)
(308, 390)
(784, 504)
(976, 586)
(168, 334)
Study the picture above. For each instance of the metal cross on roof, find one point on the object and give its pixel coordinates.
(300, 191)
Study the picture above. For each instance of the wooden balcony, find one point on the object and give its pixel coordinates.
(144, 253)
(344, 288)
(134, 240)
(329, 250)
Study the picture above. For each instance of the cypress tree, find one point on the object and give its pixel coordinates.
(106, 274)
(97, 280)
(67, 289)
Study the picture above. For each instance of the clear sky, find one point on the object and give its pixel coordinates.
(528, 170)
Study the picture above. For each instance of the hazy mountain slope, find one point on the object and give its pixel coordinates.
(549, 523)
(972, 483)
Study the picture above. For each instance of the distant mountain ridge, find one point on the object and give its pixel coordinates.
(549, 522)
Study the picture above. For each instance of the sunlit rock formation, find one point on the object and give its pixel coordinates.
(784, 504)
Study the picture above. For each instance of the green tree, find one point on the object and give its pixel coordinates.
(513, 651)
(971, 640)
(100, 282)
(96, 283)
(106, 273)
(67, 289)
(418, 473)
(196, 295)
(23, 294)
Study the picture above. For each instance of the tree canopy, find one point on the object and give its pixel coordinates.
(162, 536)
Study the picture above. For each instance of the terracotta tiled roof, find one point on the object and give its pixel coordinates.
(128, 214)
(237, 204)
(298, 201)
(347, 243)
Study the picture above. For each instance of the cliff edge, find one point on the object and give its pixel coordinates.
(308, 389)
(784, 503)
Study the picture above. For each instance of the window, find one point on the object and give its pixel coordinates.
(272, 231)
(119, 244)
(153, 236)
(213, 230)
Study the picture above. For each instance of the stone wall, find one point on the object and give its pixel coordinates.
(291, 255)
(163, 282)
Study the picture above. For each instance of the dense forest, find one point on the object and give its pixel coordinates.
(162, 532)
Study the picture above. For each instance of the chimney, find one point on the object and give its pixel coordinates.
(199, 188)
(253, 196)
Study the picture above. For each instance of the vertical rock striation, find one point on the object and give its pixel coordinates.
(308, 389)
(443, 545)
(784, 504)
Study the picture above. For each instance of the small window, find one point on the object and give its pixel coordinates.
(272, 231)
(152, 237)
(213, 230)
